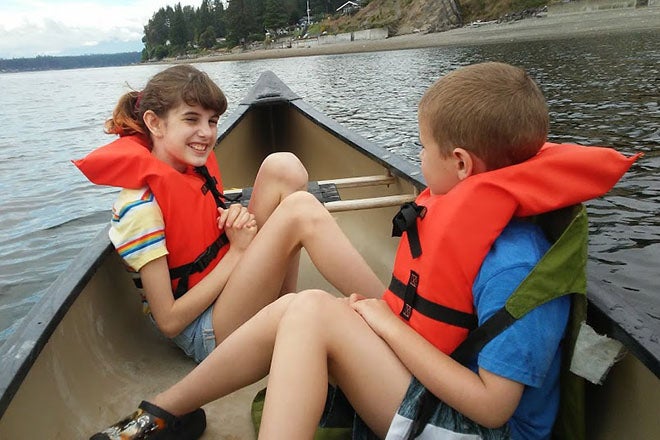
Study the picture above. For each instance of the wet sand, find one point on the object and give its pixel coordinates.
(537, 28)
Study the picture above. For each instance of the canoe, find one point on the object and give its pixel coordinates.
(85, 355)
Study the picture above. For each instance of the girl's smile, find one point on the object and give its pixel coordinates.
(185, 136)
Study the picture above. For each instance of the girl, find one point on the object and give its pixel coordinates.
(171, 224)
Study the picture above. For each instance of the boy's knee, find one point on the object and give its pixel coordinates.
(309, 305)
(285, 167)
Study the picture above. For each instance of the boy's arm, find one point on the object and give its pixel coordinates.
(486, 398)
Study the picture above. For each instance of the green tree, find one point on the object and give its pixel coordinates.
(178, 30)
(207, 38)
(205, 16)
(219, 18)
(240, 21)
(156, 32)
(190, 18)
(275, 15)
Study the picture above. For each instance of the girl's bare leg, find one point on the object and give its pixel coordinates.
(299, 221)
(280, 174)
(242, 359)
(303, 340)
(321, 336)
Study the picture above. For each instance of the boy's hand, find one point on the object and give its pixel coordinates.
(375, 312)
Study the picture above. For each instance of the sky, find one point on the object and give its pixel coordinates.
(75, 27)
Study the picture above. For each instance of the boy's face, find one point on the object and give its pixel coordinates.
(441, 173)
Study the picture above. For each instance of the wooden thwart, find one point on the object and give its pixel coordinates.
(326, 192)
(370, 203)
(357, 182)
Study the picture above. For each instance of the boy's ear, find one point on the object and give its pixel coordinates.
(467, 163)
(464, 163)
(153, 122)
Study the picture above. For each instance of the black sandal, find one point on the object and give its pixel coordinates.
(151, 422)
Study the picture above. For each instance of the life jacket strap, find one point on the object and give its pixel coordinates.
(466, 351)
(406, 221)
(184, 271)
(211, 184)
(413, 301)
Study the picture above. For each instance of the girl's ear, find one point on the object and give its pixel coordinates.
(467, 163)
(153, 122)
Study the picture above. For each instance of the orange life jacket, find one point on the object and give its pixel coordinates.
(445, 238)
(187, 200)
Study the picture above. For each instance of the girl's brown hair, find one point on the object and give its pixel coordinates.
(493, 110)
(166, 90)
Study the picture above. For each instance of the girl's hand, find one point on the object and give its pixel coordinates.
(240, 238)
(239, 225)
(236, 216)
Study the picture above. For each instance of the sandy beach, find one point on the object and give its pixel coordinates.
(537, 28)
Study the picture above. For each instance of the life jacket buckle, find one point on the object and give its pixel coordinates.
(406, 221)
(410, 296)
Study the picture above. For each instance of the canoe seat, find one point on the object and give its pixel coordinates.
(326, 191)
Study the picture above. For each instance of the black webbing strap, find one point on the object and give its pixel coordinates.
(184, 271)
(412, 301)
(482, 335)
(406, 221)
(211, 184)
(464, 353)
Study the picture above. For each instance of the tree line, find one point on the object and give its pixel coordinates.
(177, 30)
(42, 62)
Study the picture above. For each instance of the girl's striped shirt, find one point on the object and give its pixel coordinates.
(137, 229)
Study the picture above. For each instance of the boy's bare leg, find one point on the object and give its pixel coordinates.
(280, 174)
(321, 336)
(299, 221)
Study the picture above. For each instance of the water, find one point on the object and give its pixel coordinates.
(600, 92)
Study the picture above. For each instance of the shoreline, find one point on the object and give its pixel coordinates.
(551, 26)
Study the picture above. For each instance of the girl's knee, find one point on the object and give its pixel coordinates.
(304, 204)
(286, 168)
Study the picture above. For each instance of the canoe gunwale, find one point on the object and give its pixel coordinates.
(610, 313)
(22, 348)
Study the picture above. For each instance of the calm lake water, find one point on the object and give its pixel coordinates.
(600, 92)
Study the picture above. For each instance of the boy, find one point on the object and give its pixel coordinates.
(461, 256)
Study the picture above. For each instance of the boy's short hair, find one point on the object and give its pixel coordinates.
(493, 110)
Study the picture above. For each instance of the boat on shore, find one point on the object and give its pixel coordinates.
(85, 355)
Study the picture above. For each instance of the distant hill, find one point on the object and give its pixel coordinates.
(407, 16)
(68, 62)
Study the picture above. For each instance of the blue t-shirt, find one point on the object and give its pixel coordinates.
(529, 351)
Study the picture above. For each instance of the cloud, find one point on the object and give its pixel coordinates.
(50, 37)
(36, 27)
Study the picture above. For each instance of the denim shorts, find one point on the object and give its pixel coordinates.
(198, 339)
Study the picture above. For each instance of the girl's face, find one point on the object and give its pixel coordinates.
(185, 136)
